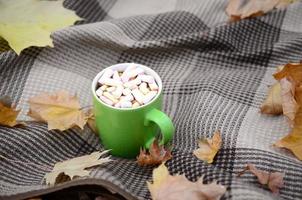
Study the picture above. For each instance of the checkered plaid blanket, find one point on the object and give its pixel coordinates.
(215, 76)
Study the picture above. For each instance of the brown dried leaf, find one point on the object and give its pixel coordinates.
(293, 141)
(178, 187)
(8, 114)
(291, 71)
(274, 180)
(60, 110)
(75, 167)
(290, 78)
(273, 103)
(289, 104)
(156, 155)
(208, 148)
(240, 9)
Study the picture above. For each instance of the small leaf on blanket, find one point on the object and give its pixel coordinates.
(293, 141)
(25, 23)
(60, 110)
(240, 9)
(208, 148)
(274, 180)
(156, 155)
(273, 103)
(75, 167)
(8, 114)
(178, 187)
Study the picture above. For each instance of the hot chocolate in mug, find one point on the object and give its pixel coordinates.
(126, 130)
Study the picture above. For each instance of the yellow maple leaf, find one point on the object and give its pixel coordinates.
(208, 148)
(25, 23)
(60, 110)
(273, 103)
(75, 167)
(178, 187)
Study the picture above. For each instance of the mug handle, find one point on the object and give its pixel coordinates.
(163, 122)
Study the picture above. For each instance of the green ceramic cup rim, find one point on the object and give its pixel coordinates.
(122, 66)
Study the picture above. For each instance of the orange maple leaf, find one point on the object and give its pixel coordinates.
(156, 155)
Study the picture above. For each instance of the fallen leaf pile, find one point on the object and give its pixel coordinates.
(8, 114)
(273, 180)
(75, 167)
(60, 110)
(178, 187)
(289, 97)
(156, 155)
(208, 148)
(241, 9)
(25, 23)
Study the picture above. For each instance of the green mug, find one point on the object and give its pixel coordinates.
(126, 130)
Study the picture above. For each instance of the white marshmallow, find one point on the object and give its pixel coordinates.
(105, 100)
(135, 72)
(128, 97)
(133, 84)
(126, 91)
(118, 92)
(110, 89)
(138, 95)
(108, 73)
(126, 104)
(117, 105)
(130, 68)
(110, 97)
(99, 92)
(147, 78)
(125, 77)
(148, 97)
(116, 76)
(104, 87)
(153, 86)
(110, 82)
(135, 105)
(143, 88)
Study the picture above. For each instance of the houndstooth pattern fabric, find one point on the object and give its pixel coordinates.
(215, 76)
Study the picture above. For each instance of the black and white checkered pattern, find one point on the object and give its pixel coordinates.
(215, 76)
